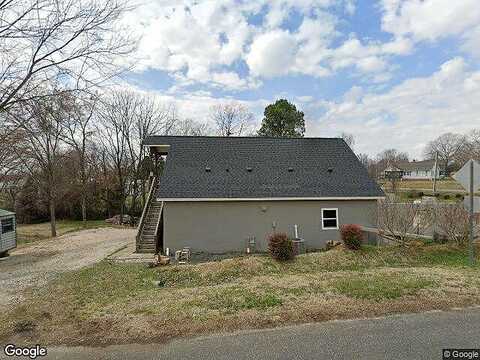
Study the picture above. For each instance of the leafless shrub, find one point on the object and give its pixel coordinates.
(400, 221)
(453, 222)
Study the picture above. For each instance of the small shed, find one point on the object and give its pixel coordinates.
(8, 231)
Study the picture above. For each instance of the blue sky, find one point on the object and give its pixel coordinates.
(394, 73)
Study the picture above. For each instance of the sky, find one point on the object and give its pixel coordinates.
(394, 73)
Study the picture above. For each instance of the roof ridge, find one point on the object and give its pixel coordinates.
(248, 137)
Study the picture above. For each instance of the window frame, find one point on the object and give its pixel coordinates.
(323, 218)
(3, 227)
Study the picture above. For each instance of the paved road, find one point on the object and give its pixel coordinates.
(413, 336)
(34, 265)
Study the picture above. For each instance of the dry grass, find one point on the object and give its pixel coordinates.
(113, 303)
(29, 233)
(442, 185)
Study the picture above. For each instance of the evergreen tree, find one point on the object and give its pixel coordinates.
(282, 119)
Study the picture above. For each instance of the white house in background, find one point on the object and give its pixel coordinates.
(415, 170)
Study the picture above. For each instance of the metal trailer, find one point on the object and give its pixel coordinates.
(8, 231)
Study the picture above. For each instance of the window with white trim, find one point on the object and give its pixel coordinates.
(329, 219)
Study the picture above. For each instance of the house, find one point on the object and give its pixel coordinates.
(218, 194)
(8, 234)
(414, 170)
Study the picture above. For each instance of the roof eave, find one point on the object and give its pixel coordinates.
(332, 198)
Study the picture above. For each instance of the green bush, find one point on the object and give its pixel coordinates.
(446, 196)
(352, 236)
(412, 194)
(280, 247)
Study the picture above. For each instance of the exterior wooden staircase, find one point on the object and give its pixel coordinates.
(150, 223)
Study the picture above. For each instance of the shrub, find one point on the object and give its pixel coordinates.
(352, 236)
(421, 194)
(446, 196)
(280, 247)
(412, 194)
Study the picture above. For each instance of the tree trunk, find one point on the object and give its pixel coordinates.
(122, 209)
(53, 220)
(84, 209)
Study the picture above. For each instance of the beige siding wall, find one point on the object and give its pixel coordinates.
(8, 240)
(219, 227)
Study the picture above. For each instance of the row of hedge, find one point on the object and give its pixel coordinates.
(281, 248)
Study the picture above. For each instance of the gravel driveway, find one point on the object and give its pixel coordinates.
(36, 264)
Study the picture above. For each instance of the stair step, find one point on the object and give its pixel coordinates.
(148, 251)
(147, 246)
(148, 241)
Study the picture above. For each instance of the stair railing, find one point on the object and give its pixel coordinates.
(145, 208)
(158, 224)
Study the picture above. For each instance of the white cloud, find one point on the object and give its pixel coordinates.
(471, 42)
(199, 42)
(195, 39)
(204, 42)
(272, 54)
(431, 20)
(410, 114)
(371, 64)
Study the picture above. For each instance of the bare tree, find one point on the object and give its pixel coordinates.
(189, 127)
(348, 138)
(391, 157)
(148, 118)
(46, 40)
(470, 150)
(40, 151)
(364, 159)
(115, 115)
(448, 146)
(78, 133)
(398, 221)
(233, 119)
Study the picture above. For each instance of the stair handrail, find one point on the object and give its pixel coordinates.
(145, 207)
(158, 221)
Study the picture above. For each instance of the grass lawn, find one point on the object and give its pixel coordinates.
(35, 232)
(132, 303)
(442, 185)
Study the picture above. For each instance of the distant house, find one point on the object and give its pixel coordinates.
(8, 233)
(414, 170)
(218, 194)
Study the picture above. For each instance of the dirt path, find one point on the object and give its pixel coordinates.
(36, 264)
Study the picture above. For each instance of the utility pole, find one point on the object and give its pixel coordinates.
(471, 249)
(435, 174)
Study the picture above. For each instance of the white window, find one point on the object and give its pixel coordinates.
(329, 219)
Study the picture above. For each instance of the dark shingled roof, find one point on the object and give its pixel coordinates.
(260, 167)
